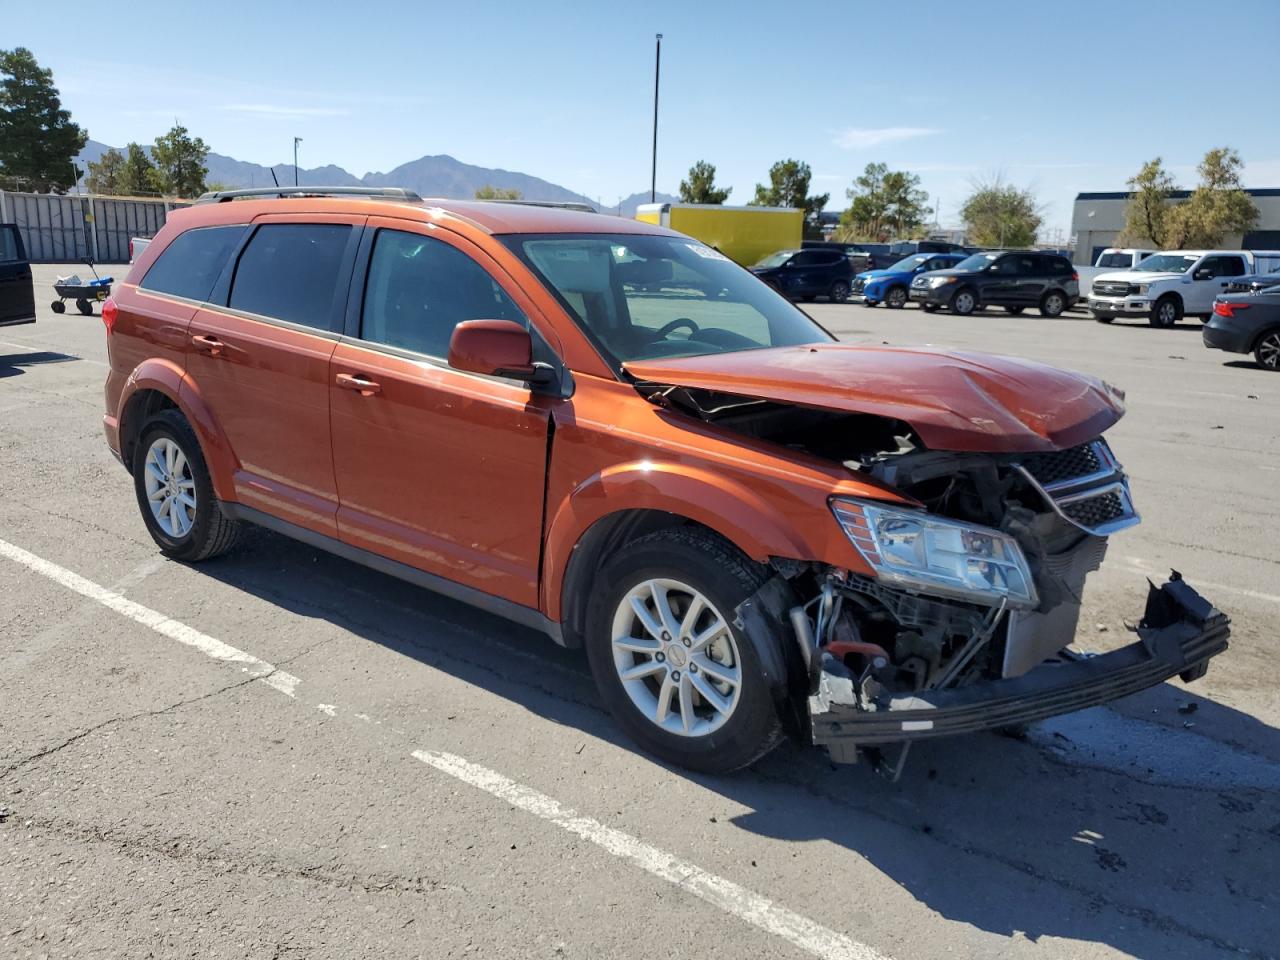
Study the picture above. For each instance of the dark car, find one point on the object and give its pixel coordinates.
(1013, 279)
(17, 295)
(1253, 282)
(905, 248)
(890, 286)
(1247, 323)
(806, 274)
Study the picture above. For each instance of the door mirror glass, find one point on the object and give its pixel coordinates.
(495, 348)
(1204, 273)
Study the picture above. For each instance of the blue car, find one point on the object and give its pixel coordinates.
(890, 286)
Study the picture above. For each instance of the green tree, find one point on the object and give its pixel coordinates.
(701, 185)
(106, 173)
(179, 160)
(789, 187)
(138, 175)
(1217, 207)
(1146, 215)
(490, 192)
(38, 140)
(999, 214)
(884, 204)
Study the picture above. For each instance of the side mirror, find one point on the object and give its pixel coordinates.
(1204, 273)
(496, 348)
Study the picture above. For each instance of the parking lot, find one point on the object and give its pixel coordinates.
(282, 754)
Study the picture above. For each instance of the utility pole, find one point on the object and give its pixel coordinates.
(296, 141)
(657, 70)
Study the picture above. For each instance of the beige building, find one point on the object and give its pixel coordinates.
(1098, 219)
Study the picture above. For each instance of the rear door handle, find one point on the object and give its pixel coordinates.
(361, 384)
(210, 345)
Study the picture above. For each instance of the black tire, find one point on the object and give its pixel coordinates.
(1166, 312)
(1014, 311)
(1266, 353)
(1053, 303)
(896, 297)
(85, 307)
(58, 306)
(839, 292)
(725, 578)
(212, 532)
(1103, 317)
(964, 302)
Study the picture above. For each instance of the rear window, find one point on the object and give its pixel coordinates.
(1060, 266)
(1115, 261)
(8, 244)
(192, 263)
(289, 271)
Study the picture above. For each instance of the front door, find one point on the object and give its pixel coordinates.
(1210, 278)
(260, 362)
(439, 469)
(17, 297)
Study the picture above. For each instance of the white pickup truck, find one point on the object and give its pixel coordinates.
(1173, 284)
(136, 246)
(1109, 260)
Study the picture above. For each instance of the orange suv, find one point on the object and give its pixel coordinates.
(610, 432)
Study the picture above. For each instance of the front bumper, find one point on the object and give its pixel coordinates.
(1120, 306)
(1178, 634)
(937, 296)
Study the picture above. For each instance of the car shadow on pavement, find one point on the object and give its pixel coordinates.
(1157, 839)
(11, 364)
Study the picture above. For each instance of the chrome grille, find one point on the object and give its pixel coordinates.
(1111, 288)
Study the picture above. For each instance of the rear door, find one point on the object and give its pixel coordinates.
(17, 295)
(260, 361)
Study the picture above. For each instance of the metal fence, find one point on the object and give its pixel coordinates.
(68, 229)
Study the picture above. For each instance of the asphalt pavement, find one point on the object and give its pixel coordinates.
(281, 754)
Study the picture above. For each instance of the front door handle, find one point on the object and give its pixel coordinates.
(210, 345)
(361, 384)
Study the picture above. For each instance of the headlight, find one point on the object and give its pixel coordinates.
(1142, 289)
(936, 282)
(915, 549)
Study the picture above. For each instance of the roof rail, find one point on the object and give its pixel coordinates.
(557, 204)
(386, 193)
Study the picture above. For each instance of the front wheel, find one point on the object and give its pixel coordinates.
(896, 298)
(1052, 304)
(1267, 352)
(85, 307)
(839, 292)
(1167, 312)
(964, 303)
(667, 658)
(58, 306)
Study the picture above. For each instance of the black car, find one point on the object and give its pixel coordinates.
(1013, 279)
(806, 274)
(17, 295)
(1247, 323)
(1253, 282)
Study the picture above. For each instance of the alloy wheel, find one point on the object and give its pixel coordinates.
(964, 302)
(676, 658)
(1053, 305)
(896, 298)
(1268, 352)
(1166, 314)
(171, 489)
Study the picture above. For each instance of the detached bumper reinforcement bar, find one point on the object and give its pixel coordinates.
(1178, 635)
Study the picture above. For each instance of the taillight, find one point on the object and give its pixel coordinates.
(1076, 276)
(109, 313)
(1224, 309)
(131, 251)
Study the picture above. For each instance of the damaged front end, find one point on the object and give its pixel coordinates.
(967, 623)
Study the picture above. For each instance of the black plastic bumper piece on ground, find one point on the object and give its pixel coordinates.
(1178, 634)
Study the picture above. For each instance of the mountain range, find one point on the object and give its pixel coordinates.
(429, 176)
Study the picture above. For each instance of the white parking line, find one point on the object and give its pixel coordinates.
(728, 896)
(286, 683)
(1141, 567)
(735, 900)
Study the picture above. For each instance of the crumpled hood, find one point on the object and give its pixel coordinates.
(954, 401)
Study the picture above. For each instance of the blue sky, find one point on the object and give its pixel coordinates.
(1061, 97)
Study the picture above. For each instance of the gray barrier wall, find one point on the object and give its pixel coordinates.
(68, 229)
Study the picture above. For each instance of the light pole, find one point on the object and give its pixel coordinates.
(657, 69)
(296, 141)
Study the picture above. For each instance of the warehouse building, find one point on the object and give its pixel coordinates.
(1098, 219)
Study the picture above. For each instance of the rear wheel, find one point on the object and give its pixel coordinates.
(175, 492)
(896, 298)
(667, 658)
(1052, 304)
(58, 306)
(964, 302)
(1267, 352)
(1167, 312)
(85, 307)
(839, 292)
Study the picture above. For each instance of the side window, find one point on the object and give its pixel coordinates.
(192, 263)
(8, 244)
(1006, 266)
(803, 259)
(1231, 267)
(289, 271)
(419, 288)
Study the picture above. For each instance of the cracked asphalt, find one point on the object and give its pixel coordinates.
(159, 802)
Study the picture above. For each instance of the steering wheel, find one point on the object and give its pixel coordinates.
(676, 324)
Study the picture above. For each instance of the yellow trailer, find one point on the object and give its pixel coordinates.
(744, 234)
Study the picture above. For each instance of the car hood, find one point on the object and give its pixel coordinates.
(870, 275)
(1139, 276)
(954, 401)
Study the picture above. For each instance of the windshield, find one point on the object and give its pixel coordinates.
(979, 261)
(910, 263)
(639, 297)
(776, 259)
(1115, 261)
(1167, 263)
